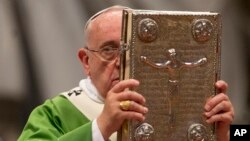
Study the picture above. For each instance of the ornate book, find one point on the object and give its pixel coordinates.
(176, 57)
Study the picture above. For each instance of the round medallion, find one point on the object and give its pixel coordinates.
(147, 30)
(197, 132)
(202, 30)
(144, 132)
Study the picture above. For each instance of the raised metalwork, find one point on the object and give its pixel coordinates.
(177, 69)
(197, 132)
(202, 30)
(147, 30)
(174, 65)
(144, 132)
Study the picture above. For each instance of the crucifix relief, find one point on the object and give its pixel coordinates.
(173, 67)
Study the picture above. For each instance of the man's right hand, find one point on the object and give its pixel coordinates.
(113, 116)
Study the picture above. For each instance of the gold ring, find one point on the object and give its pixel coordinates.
(124, 105)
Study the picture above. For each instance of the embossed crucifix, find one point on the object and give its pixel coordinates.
(173, 67)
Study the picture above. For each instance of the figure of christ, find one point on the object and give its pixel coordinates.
(173, 67)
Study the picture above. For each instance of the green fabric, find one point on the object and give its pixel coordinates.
(57, 119)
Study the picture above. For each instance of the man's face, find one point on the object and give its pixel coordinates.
(105, 30)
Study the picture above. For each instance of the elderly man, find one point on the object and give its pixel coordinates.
(92, 111)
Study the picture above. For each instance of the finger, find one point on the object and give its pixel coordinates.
(224, 117)
(212, 102)
(137, 108)
(132, 96)
(223, 106)
(131, 115)
(221, 86)
(122, 85)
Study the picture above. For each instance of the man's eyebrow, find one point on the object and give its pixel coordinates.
(113, 43)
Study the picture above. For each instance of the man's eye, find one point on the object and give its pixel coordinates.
(108, 49)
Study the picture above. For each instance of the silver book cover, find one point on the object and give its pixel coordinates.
(176, 57)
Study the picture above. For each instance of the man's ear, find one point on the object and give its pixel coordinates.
(84, 58)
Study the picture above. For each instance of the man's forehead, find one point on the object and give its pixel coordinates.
(107, 16)
(104, 21)
(117, 8)
(104, 29)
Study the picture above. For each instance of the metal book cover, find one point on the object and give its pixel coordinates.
(176, 57)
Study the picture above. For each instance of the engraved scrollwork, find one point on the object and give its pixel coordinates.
(202, 30)
(144, 132)
(197, 132)
(147, 30)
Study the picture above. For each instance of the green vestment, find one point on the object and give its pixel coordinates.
(57, 119)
